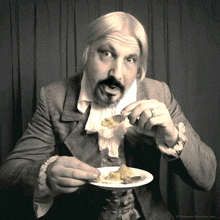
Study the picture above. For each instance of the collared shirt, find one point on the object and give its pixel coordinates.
(108, 138)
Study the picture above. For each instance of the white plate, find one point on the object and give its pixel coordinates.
(114, 185)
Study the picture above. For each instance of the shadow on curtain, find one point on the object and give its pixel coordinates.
(42, 41)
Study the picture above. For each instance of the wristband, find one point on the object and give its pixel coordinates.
(177, 149)
(43, 176)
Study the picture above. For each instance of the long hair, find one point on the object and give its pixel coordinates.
(117, 21)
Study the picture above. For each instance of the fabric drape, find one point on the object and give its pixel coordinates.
(41, 41)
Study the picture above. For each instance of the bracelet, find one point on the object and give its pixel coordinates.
(177, 149)
(43, 176)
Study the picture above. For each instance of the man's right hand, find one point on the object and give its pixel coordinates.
(67, 174)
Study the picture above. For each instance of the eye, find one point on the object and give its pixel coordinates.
(107, 53)
(131, 60)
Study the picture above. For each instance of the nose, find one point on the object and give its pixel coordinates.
(116, 70)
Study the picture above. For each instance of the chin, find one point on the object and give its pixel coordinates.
(106, 96)
(106, 101)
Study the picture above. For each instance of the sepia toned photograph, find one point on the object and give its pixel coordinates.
(109, 110)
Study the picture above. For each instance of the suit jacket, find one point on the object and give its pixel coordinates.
(58, 127)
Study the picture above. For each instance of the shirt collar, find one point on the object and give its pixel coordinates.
(85, 94)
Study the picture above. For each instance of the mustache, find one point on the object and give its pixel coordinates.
(111, 81)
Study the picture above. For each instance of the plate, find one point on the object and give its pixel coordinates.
(146, 178)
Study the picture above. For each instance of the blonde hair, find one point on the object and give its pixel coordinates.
(117, 21)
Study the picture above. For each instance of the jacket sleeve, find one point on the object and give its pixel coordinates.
(36, 145)
(197, 162)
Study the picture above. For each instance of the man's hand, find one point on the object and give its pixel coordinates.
(67, 174)
(153, 119)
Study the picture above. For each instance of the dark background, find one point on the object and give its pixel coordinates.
(41, 41)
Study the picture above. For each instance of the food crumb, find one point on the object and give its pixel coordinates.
(109, 123)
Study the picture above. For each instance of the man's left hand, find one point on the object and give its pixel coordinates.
(153, 119)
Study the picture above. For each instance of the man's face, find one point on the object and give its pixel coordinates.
(112, 67)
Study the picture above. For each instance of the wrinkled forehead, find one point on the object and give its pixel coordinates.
(118, 39)
(123, 37)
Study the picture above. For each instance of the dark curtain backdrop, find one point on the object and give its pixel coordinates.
(41, 41)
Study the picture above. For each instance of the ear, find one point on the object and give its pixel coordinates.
(85, 57)
(139, 73)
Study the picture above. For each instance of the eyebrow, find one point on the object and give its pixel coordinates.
(108, 45)
(133, 55)
(113, 49)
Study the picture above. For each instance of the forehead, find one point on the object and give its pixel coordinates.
(120, 40)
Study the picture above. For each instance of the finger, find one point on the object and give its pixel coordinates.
(159, 120)
(79, 174)
(157, 111)
(69, 182)
(147, 113)
(61, 189)
(151, 133)
(139, 108)
(73, 162)
(136, 113)
(152, 103)
(145, 116)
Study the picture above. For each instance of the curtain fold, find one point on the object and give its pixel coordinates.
(41, 41)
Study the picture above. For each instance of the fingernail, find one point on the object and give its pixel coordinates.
(97, 172)
(122, 112)
(95, 176)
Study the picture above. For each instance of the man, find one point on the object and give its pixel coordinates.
(65, 141)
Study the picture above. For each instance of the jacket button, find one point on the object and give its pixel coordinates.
(104, 160)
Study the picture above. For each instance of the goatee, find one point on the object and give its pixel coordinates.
(107, 100)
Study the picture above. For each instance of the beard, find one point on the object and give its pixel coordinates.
(108, 92)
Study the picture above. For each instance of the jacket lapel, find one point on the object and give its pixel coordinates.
(142, 93)
(81, 145)
(70, 111)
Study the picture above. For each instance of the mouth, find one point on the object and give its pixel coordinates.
(108, 92)
(111, 90)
